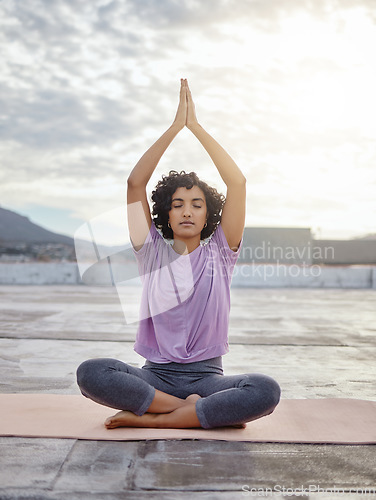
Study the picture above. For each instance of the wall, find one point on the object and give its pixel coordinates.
(345, 252)
(39, 273)
(245, 275)
(295, 246)
(276, 244)
(294, 276)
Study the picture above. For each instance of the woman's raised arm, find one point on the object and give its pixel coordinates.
(233, 213)
(139, 217)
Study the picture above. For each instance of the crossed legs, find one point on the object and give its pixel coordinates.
(143, 398)
(165, 411)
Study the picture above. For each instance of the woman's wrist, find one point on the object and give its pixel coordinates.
(176, 127)
(194, 127)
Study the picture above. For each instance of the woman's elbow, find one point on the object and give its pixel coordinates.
(132, 183)
(243, 180)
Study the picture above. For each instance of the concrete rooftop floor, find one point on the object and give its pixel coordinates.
(317, 343)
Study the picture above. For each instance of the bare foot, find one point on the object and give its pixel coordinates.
(121, 419)
(126, 418)
(176, 419)
(239, 426)
(183, 417)
(192, 398)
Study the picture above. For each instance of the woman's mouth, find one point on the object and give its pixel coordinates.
(186, 223)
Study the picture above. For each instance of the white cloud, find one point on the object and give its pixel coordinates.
(286, 87)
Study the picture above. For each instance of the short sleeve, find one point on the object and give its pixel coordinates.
(220, 239)
(227, 256)
(152, 237)
(147, 255)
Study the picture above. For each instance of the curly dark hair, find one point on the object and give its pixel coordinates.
(162, 196)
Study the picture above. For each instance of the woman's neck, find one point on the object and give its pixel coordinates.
(184, 247)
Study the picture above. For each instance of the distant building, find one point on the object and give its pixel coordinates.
(280, 245)
(36, 252)
(346, 252)
(268, 245)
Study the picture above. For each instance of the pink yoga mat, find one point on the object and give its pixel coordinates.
(342, 421)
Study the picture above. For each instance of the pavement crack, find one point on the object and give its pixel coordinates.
(139, 452)
(60, 471)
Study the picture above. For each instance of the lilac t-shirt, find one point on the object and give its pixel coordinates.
(185, 302)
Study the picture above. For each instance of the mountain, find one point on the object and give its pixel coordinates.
(17, 228)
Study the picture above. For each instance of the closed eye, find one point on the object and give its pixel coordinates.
(179, 206)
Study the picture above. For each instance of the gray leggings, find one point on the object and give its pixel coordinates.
(225, 400)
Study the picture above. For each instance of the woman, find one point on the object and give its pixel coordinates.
(183, 327)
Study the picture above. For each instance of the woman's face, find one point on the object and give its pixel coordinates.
(188, 212)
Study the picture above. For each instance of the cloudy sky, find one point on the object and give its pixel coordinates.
(286, 86)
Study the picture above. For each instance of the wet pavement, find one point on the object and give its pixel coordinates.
(315, 342)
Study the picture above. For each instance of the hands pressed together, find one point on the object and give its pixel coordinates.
(186, 114)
